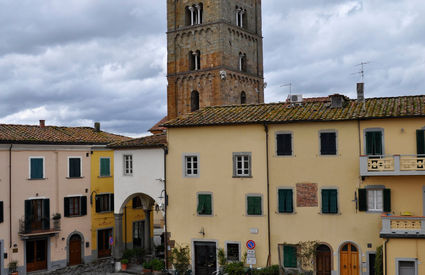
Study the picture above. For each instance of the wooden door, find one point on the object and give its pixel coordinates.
(323, 260)
(205, 258)
(75, 250)
(36, 255)
(349, 260)
(103, 247)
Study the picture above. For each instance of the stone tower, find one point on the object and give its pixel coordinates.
(215, 54)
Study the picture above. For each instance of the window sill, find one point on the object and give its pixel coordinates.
(241, 177)
(38, 179)
(375, 212)
(284, 156)
(204, 215)
(255, 216)
(104, 176)
(71, 178)
(104, 212)
(74, 216)
(333, 155)
(128, 175)
(330, 214)
(286, 213)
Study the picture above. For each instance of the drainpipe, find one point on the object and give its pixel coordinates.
(266, 129)
(125, 227)
(10, 195)
(385, 253)
(165, 208)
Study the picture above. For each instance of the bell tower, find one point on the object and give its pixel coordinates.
(215, 54)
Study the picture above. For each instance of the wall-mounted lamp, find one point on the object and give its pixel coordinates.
(202, 232)
(165, 197)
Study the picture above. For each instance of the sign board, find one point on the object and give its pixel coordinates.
(251, 261)
(111, 241)
(250, 253)
(250, 244)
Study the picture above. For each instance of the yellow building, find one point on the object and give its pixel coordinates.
(322, 170)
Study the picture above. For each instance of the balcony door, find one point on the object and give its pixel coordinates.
(37, 215)
(103, 240)
(36, 255)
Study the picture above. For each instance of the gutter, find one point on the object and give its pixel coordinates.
(165, 208)
(10, 195)
(266, 129)
(385, 253)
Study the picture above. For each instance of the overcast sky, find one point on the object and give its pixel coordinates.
(76, 62)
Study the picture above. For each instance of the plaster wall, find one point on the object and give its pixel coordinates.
(405, 249)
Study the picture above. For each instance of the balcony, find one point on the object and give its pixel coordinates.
(29, 227)
(402, 227)
(396, 165)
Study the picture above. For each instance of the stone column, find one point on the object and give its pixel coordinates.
(147, 239)
(198, 8)
(241, 15)
(237, 16)
(118, 245)
(192, 19)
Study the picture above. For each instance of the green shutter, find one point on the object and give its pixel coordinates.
(208, 205)
(97, 200)
(420, 142)
(28, 215)
(289, 256)
(285, 201)
(369, 143)
(105, 167)
(333, 201)
(36, 168)
(254, 206)
(387, 200)
(282, 200)
(378, 143)
(201, 204)
(374, 143)
(362, 200)
(289, 201)
(325, 201)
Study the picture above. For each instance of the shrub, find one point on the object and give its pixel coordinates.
(235, 268)
(180, 257)
(157, 264)
(147, 265)
(379, 269)
(271, 270)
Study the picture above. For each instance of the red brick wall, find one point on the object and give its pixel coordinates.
(307, 195)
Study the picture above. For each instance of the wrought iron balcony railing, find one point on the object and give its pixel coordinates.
(29, 226)
(396, 165)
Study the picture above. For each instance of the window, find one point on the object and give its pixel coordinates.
(104, 203)
(1, 212)
(420, 142)
(195, 60)
(37, 215)
(375, 199)
(74, 167)
(105, 167)
(138, 234)
(285, 201)
(191, 167)
(137, 202)
(232, 252)
(284, 144)
(75, 206)
(327, 143)
(194, 14)
(243, 97)
(36, 168)
(240, 17)
(128, 165)
(204, 204)
(329, 201)
(290, 256)
(374, 142)
(241, 164)
(254, 205)
(194, 101)
(242, 62)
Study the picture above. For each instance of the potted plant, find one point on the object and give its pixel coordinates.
(13, 267)
(124, 263)
(56, 221)
(157, 266)
(147, 267)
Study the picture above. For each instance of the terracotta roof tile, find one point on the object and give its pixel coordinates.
(154, 141)
(310, 110)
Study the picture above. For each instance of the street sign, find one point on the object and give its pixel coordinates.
(250, 244)
(250, 253)
(251, 261)
(111, 241)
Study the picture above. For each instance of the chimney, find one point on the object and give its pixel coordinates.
(360, 91)
(337, 101)
(42, 123)
(97, 126)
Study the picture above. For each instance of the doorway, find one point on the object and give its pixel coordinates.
(349, 260)
(372, 257)
(323, 260)
(75, 250)
(205, 258)
(138, 234)
(103, 246)
(36, 255)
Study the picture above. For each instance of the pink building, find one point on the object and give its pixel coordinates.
(45, 220)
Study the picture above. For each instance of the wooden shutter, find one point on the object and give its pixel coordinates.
(97, 199)
(325, 201)
(281, 199)
(420, 142)
(289, 201)
(28, 215)
(387, 200)
(208, 205)
(46, 214)
(289, 256)
(378, 143)
(111, 197)
(328, 143)
(201, 204)
(369, 143)
(1, 212)
(66, 207)
(36, 168)
(285, 201)
(74, 167)
(284, 144)
(254, 206)
(105, 167)
(83, 206)
(362, 200)
(333, 201)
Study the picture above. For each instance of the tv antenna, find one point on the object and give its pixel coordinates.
(288, 85)
(362, 71)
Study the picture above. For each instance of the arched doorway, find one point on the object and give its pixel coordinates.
(74, 247)
(323, 260)
(349, 259)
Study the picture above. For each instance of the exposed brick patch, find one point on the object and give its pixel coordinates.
(307, 195)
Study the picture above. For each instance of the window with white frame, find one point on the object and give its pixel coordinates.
(375, 200)
(128, 165)
(241, 164)
(74, 167)
(191, 165)
(36, 167)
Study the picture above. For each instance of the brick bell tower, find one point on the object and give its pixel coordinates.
(215, 54)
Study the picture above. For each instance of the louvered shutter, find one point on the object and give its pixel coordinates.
(74, 167)
(201, 204)
(420, 142)
(289, 201)
(66, 207)
(36, 168)
(362, 200)
(333, 201)
(112, 202)
(378, 143)
(281, 198)
(46, 214)
(208, 205)
(328, 143)
(284, 144)
(28, 215)
(325, 201)
(387, 200)
(1, 212)
(97, 199)
(289, 256)
(105, 167)
(83, 205)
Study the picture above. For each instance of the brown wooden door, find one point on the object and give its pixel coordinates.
(349, 260)
(75, 250)
(36, 255)
(103, 247)
(323, 260)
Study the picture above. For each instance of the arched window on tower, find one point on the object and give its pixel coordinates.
(194, 101)
(242, 62)
(195, 60)
(243, 97)
(193, 14)
(240, 16)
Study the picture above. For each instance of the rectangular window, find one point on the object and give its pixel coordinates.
(37, 215)
(285, 201)
(328, 143)
(241, 164)
(191, 166)
(104, 203)
(374, 143)
(290, 256)
(232, 252)
(137, 202)
(128, 165)
(254, 205)
(420, 142)
(74, 167)
(204, 204)
(329, 201)
(75, 206)
(375, 200)
(284, 144)
(36, 168)
(105, 167)
(1, 212)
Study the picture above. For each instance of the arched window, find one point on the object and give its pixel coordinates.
(194, 101)
(243, 97)
(240, 15)
(242, 62)
(188, 16)
(195, 60)
(193, 14)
